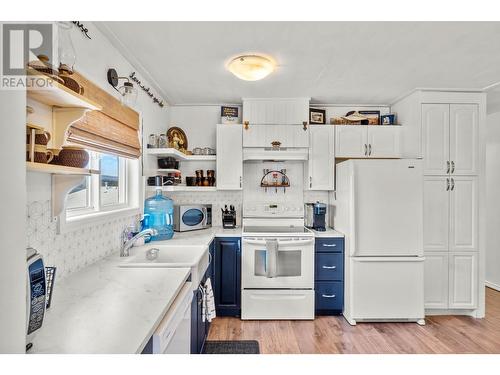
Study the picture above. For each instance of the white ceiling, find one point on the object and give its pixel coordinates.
(331, 62)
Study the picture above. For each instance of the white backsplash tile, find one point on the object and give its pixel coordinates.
(74, 250)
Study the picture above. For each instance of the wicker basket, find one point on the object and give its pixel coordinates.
(71, 156)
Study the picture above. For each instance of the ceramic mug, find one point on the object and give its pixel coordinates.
(42, 137)
(41, 154)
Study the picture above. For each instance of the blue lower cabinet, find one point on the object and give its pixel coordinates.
(200, 328)
(329, 266)
(227, 276)
(329, 297)
(329, 276)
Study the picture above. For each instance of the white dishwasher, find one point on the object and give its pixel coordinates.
(173, 335)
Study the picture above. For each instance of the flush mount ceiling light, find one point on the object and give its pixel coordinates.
(251, 67)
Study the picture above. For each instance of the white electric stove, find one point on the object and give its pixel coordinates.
(277, 262)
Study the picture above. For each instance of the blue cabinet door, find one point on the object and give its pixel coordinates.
(200, 328)
(227, 278)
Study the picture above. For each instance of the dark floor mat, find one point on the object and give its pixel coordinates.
(231, 347)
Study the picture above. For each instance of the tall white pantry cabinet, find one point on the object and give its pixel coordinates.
(447, 130)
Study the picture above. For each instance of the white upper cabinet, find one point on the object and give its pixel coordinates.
(463, 213)
(320, 168)
(265, 135)
(383, 141)
(286, 111)
(436, 213)
(464, 138)
(367, 141)
(436, 280)
(350, 141)
(450, 139)
(463, 280)
(436, 144)
(229, 157)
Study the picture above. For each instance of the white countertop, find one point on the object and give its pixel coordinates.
(329, 232)
(107, 309)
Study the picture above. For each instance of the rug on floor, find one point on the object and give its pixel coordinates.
(232, 347)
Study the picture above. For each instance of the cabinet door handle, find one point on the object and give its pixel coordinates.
(329, 245)
(452, 166)
(241, 181)
(447, 184)
(447, 166)
(370, 149)
(329, 267)
(310, 182)
(452, 184)
(246, 123)
(328, 295)
(366, 149)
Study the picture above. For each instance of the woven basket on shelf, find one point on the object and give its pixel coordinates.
(71, 156)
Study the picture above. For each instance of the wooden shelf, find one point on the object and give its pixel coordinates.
(164, 152)
(168, 170)
(59, 169)
(53, 93)
(182, 188)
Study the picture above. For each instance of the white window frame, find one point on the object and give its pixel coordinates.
(129, 187)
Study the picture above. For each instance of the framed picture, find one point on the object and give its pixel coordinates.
(388, 119)
(317, 116)
(373, 117)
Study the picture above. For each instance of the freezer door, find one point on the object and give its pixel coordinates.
(384, 289)
(387, 208)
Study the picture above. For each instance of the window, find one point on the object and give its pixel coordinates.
(102, 192)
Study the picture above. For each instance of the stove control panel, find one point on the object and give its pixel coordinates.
(273, 210)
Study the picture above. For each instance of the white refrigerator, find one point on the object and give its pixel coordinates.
(379, 209)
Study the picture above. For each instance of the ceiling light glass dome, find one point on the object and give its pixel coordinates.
(251, 67)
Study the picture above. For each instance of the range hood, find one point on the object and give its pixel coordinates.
(282, 154)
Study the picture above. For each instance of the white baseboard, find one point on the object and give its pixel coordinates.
(492, 285)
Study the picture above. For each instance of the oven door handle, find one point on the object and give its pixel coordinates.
(254, 242)
(294, 243)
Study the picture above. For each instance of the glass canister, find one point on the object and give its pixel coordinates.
(160, 211)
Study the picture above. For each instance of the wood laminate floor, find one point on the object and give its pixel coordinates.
(332, 334)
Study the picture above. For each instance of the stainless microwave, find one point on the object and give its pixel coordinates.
(192, 217)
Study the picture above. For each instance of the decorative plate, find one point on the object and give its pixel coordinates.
(177, 138)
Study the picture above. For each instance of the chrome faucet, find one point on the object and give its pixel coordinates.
(127, 244)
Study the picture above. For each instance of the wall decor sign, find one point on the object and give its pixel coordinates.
(147, 90)
(82, 28)
(372, 116)
(229, 115)
(317, 116)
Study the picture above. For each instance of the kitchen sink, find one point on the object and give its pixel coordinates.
(178, 256)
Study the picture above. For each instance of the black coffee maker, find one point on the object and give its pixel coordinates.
(319, 217)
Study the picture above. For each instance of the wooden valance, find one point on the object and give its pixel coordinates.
(100, 132)
(113, 130)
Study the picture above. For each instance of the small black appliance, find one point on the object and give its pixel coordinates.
(319, 217)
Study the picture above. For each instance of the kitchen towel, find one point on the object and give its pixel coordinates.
(208, 301)
(271, 258)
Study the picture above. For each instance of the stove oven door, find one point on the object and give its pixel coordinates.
(277, 263)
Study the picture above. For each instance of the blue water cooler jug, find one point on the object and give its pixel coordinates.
(159, 211)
